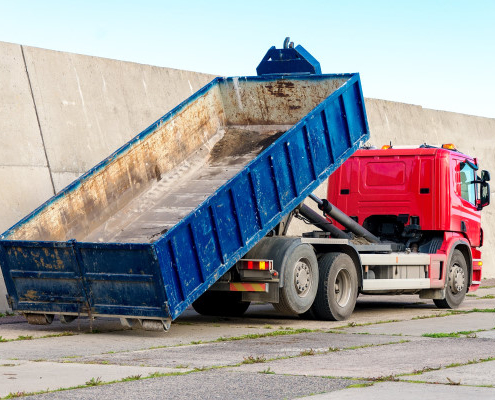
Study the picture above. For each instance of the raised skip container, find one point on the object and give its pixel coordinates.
(148, 230)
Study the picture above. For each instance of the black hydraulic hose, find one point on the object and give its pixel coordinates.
(320, 222)
(343, 219)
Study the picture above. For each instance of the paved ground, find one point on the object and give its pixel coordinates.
(391, 345)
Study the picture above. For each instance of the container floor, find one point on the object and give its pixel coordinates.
(176, 194)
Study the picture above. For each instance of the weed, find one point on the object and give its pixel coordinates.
(253, 360)
(440, 335)
(13, 395)
(360, 385)
(387, 378)
(451, 382)
(488, 296)
(2, 339)
(197, 342)
(309, 352)
(333, 349)
(181, 366)
(21, 337)
(469, 334)
(268, 334)
(7, 314)
(267, 327)
(155, 375)
(267, 371)
(94, 382)
(131, 378)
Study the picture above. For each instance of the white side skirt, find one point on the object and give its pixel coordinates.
(391, 284)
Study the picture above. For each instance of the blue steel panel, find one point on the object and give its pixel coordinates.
(121, 279)
(283, 175)
(318, 144)
(354, 112)
(40, 274)
(226, 223)
(245, 208)
(264, 190)
(208, 250)
(186, 264)
(300, 161)
(171, 281)
(339, 135)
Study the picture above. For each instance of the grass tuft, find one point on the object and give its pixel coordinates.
(253, 360)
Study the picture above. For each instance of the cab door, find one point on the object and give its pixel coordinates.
(464, 213)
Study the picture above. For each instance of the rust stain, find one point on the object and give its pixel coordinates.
(30, 295)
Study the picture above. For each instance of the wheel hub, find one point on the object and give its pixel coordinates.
(457, 279)
(302, 278)
(342, 288)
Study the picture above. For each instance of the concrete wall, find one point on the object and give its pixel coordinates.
(62, 113)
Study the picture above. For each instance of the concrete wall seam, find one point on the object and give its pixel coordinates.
(38, 119)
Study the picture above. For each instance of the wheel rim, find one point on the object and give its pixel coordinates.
(342, 287)
(302, 277)
(457, 279)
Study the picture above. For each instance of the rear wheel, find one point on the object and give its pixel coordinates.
(300, 280)
(221, 304)
(338, 287)
(457, 282)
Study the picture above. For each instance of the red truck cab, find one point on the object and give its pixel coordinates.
(428, 199)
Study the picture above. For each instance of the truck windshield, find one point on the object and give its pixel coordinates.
(467, 183)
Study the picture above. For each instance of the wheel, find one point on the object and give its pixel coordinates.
(300, 278)
(221, 304)
(457, 283)
(338, 287)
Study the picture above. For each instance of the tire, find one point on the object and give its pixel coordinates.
(308, 315)
(221, 304)
(300, 280)
(338, 288)
(457, 282)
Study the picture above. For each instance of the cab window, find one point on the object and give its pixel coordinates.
(467, 177)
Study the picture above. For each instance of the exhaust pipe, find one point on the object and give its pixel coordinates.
(343, 219)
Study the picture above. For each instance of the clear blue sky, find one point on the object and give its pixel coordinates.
(439, 54)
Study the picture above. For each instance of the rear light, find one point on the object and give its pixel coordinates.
(448, 146)
(262, 265)
(386, 147)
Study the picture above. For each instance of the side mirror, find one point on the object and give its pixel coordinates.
(485, 176)
(484, 194)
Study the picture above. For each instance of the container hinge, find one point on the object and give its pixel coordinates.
(166, 308)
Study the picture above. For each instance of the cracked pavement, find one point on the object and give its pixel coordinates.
(390, 345)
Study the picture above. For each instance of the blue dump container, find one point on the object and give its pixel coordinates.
(149, 229)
